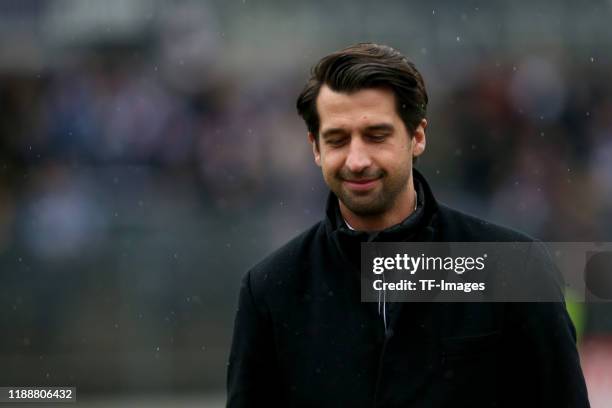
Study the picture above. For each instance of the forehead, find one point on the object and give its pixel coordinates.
(359, 108)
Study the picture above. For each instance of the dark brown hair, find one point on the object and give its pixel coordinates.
(361, 66)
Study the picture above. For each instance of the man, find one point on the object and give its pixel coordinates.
(302, 336)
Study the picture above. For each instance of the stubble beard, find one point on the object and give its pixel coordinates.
(370, 203)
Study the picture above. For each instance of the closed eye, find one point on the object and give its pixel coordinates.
(378, 138)
(335, 141)
(378, 133)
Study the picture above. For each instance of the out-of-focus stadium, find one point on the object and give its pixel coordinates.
(150, 153)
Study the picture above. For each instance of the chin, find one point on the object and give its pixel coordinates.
(364, 208)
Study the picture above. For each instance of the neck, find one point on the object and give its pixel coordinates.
(404, 206)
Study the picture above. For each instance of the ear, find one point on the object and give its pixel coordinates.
(418, 139)
(315, 148)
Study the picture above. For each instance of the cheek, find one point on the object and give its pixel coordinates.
(395, 161)
(390, 155)
(331, 161)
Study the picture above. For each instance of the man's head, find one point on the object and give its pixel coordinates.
(362, 66)
(364, 107)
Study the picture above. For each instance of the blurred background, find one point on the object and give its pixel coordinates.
(150, 153)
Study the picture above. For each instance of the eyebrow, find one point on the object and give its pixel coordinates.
(333, 131)
(380, 127)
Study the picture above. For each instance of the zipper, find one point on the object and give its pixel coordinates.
(388, 335)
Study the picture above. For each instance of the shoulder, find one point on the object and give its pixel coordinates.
(279, 270)
(290, 254)
(456, 225)
(538, 267)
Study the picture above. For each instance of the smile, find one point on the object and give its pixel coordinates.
(361, 185)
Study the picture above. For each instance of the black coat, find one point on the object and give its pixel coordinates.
(303, 338)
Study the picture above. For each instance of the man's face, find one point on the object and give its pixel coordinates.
(364, 150)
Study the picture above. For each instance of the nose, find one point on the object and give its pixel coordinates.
(358, 158)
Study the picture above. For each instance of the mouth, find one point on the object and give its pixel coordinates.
(361, 184)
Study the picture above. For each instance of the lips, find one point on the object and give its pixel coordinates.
(361, 184)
